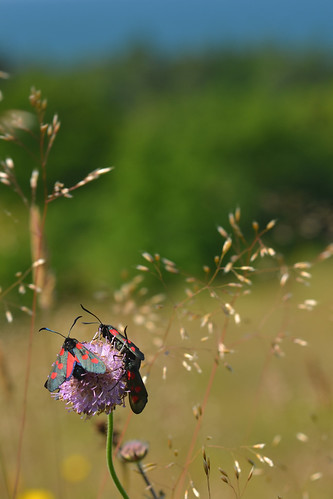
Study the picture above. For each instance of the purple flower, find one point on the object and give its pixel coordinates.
(93, 393)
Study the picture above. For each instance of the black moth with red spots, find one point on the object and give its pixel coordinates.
(121, 342)
(138, 395)
(73, 360)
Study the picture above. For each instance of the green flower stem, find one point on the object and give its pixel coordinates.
(109, 458)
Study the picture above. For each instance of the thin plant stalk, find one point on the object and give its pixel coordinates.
(144, 476)
(109, 457)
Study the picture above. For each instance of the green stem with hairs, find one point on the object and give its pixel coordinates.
(109, 458)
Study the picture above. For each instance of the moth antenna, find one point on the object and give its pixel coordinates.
(90, 322)
(99, 320)
(51, 330)
(75, 320)
(57, 332)
(125, 334)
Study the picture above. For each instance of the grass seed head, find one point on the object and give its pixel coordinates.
(228, 267)
(284, 278)
(327, 253)
(186, 365)
(34, 179)
(250, 475)
(9, 163)
(226, 246)
(194, 490)
(316, 476)
(237, 469)
(268, 461)
(271, 224)
(255, 226)
(237, 214)
(258, 446)
(222, 232)
(147, 256)
(225, 476)
(26, 310)
(302, 437)
(183, 333)
(9, 316)
(197, 411)
(299, 341)
(142, 268)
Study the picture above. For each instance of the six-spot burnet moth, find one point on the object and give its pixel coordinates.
(73, 360)
(138, 395)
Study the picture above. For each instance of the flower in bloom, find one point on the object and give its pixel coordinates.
(92, 393)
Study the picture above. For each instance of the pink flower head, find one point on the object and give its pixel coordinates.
(92, 393)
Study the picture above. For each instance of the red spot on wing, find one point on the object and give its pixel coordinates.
(85, 356)
(53, 375)
(60, 365)
(78, 345)
(62, 351)
(71, 360)
(135, 398)
(94, 360)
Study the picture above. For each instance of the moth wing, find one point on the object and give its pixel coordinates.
(58, 373)
(88, 360)
(138, 396)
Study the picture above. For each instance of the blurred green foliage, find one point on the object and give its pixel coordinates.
(190, 138)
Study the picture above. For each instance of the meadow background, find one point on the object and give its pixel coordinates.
(208, 146)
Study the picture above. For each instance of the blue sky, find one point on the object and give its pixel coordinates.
(69, 31)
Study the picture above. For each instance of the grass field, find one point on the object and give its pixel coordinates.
(273, 388)
(237, 366)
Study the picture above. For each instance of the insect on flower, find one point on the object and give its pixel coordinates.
(138, 395)
(73, 360)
